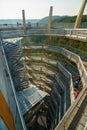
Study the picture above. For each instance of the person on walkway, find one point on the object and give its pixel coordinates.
(76, 94)
(79, 78)
(76, 84)
(61, 92)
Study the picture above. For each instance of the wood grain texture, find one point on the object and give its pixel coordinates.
(5, 113)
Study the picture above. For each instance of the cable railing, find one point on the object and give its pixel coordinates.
(17, 68)
(72, 56)
(78, 34)
(76, 59)
(41, 25)
(13, 54)
(82, 54)
(18, 119)
(72, 111)
(58, 80)
(61, 68)
(83, 74)
(69, 77)
(66, 73)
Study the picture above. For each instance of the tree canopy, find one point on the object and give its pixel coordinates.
(69, 19)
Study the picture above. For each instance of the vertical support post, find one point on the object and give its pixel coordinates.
(50, 18)
(50, 22)
(24, 23)
(24, 26)
(49, 26)
(25, 37)
(80, 14)
(78, 20)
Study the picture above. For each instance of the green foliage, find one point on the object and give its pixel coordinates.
(63, 42)
(58, 41)
(38, 39)
(81, 45)
(70, 19)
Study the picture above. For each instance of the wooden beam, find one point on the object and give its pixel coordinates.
(5, 113)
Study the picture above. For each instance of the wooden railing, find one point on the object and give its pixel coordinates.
(15, 110)
(78, 34)
(69, 115)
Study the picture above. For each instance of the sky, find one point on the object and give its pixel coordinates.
(37, 9)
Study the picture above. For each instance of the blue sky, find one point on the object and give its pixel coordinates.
(35, 9)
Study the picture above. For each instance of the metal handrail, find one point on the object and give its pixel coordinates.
(66, 117)
(15, 98)
(70, 33)
(72, 56)
(64, 71)
(69, 76)
(76, 59)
